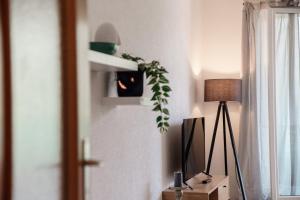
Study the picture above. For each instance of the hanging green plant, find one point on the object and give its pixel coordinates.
(159, 83)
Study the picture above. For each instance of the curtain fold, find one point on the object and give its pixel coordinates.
(266, 85)
(254, 125)
(287, 76)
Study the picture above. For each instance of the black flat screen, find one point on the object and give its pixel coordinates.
(193, 147)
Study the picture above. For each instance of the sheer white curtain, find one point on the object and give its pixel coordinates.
(287, 78)
(254, 124)
(259, 80)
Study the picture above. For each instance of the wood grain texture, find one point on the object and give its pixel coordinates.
(69, 108)
(217, 189)
(1, 111)
(71, 170)
(7, 102)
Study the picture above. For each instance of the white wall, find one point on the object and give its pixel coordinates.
(138, 162)
(195, 40)
(221, 58)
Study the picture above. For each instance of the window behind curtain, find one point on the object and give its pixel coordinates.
(287, 89)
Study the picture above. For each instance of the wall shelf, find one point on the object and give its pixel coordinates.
(115, 101)
(107, 62)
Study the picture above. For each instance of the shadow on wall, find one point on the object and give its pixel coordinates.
(171, 143)
(171, 153)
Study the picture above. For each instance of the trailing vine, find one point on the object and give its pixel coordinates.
(159, 83)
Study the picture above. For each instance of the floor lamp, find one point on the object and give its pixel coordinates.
(223, 90)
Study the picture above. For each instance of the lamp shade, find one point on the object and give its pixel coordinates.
(223, 90)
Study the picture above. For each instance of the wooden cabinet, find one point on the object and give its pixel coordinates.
(217, 189)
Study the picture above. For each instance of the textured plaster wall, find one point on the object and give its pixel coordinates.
(138, 162)
(195, 40)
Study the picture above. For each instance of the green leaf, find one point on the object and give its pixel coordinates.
(156, 87)
(153, 74)
(147, 74)
(166, 94)
(139, 59)
(157, 108)
(156, 103)
(157, 94)
(158, 99)
(163, 70)
(166, 111)
(152, 81)
(160, 88)
(147, 70)
(158, 119)
(162, 76)
(142, 67)
(162, 80)
(154, 98)
(165, 101)
(166, 88)
(154, 63)
(132, 58)
(126, 56)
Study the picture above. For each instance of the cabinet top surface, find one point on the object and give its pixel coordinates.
(199, 187)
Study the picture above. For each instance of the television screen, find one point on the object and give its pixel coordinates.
(193, 147)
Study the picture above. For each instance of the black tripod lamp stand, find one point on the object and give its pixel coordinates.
(224, 90)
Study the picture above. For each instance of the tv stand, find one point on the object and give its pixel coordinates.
(216, 189)
(186, 184)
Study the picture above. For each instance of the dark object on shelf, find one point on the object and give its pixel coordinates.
(177, 179)
(224, 90)
(130, 83)
(104, 47)
(206, 181)
(192, 147)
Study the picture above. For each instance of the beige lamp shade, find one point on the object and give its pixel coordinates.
(223, 90)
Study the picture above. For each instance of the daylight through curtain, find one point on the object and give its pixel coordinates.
(254, 123)
(287, 79)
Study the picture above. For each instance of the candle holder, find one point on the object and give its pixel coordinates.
(178, 191)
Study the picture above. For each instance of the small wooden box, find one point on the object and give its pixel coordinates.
(217, 189)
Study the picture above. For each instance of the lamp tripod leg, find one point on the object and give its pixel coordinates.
(234, 152)
(213, 139)
(224, 140)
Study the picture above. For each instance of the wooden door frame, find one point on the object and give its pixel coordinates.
(71, 169)
(7, 102)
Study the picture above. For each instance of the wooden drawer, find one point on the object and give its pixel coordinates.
(186, 196)
(223, 190)
(217, 189)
